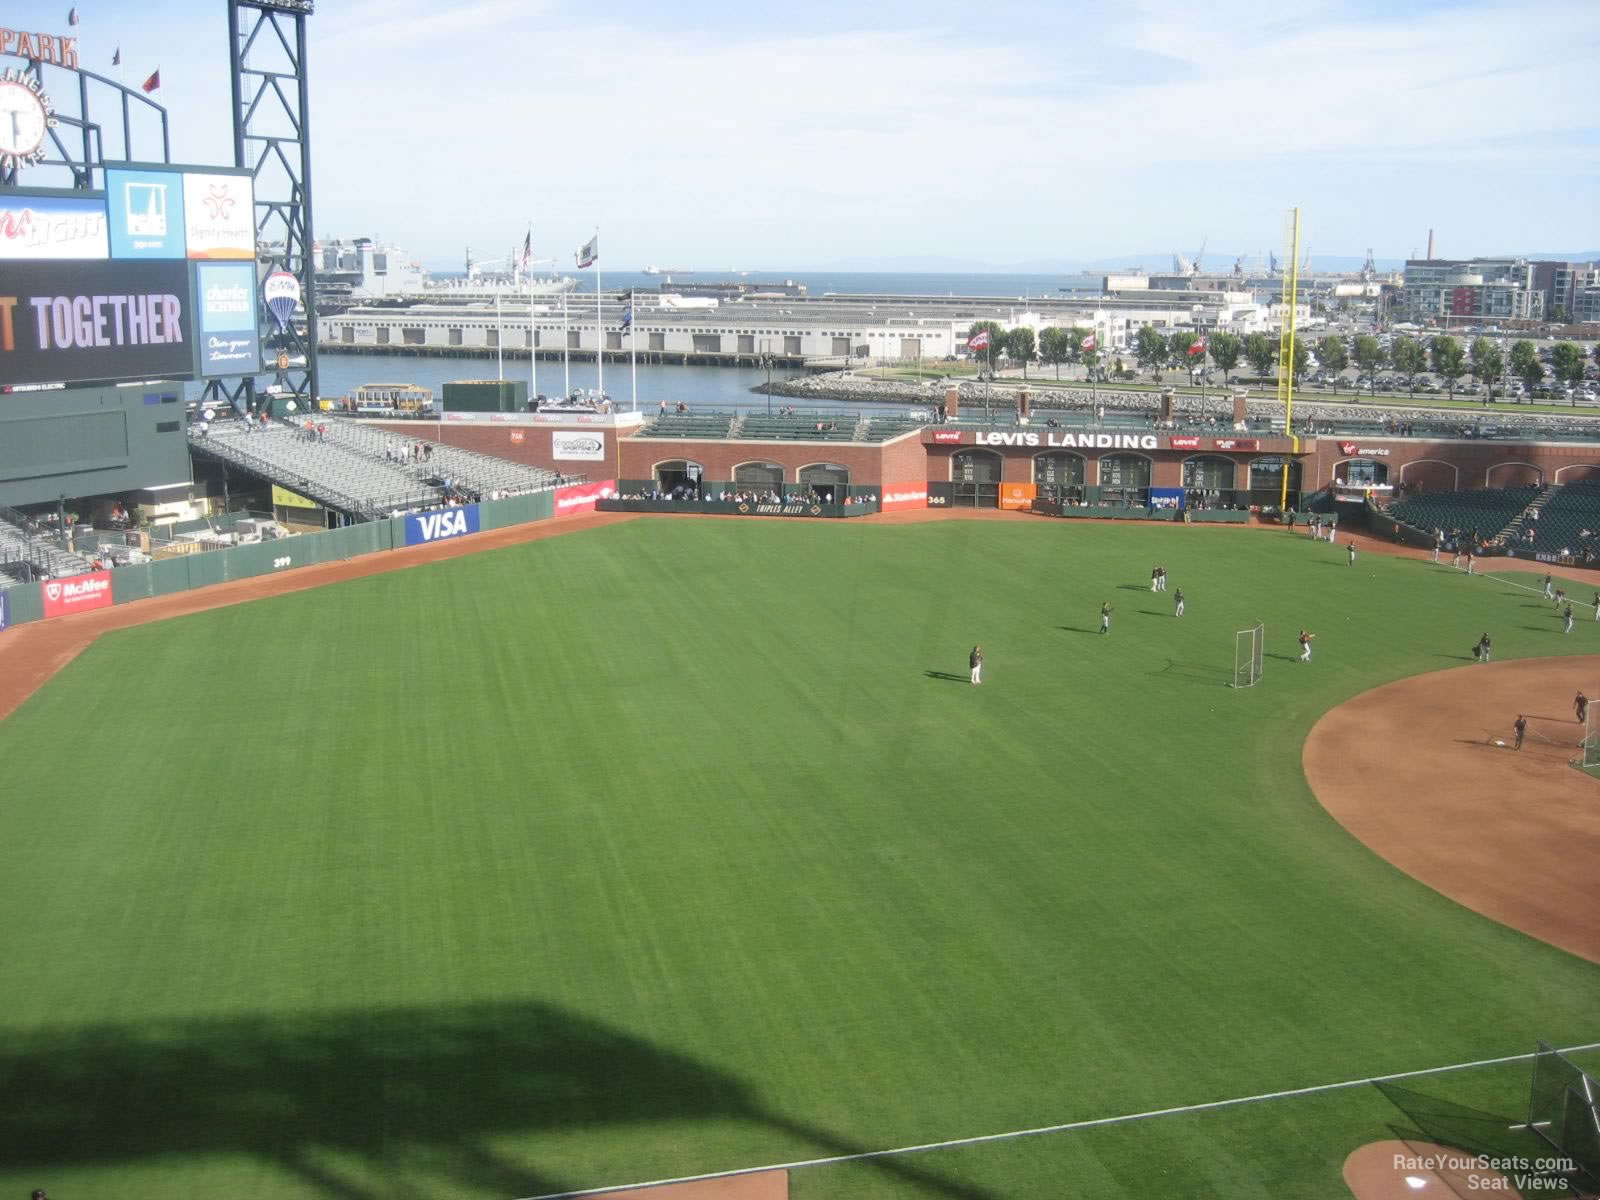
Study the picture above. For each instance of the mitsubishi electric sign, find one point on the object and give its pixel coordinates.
(441, 524)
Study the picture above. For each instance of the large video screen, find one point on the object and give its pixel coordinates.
(41, 225)
(67, 322)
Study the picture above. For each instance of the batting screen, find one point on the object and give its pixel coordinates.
(1249, 648)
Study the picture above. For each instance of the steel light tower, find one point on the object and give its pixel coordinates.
(272, 138)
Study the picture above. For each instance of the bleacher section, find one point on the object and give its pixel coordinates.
(883, 429)
(1565, 515)
(24, 557)
(830, 426)
(1487, 510)
(481, 474)
(708, 425)
(335, 475)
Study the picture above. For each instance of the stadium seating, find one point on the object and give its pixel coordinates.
(479, 473)
(25, 556)
(1487, 510)
(711, 425)
(828, 426)
(1568, 520)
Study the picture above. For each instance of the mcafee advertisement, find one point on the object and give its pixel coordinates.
(896, 496)
(581, 497)
(77, 593)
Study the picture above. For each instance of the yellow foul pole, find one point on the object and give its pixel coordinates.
(1291, 289)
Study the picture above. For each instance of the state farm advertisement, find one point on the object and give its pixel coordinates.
(79, 593)
(581, 497)
(69, 322)
(896, 496)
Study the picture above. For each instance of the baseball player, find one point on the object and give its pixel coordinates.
(1471, 558)
(1161, 579)
(1105, 616)
(1560, 597)
(1580, 706)
(1455, 558)
(1177, 598)
(1438, 543)
(1566, 620)
(1305, 645)
(1549, 593)
(1597, 606)
(1155, 579)
(975, 660)
(1521, 726)
(1352, 548)
(1484, 647)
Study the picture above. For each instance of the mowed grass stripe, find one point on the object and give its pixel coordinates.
(673, 815)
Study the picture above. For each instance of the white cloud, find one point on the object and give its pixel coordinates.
(440, 127)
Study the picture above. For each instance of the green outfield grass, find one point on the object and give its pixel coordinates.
(678, 846)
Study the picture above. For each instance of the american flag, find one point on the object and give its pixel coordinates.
(1198, 346)
(979, 340)
(1088, 343)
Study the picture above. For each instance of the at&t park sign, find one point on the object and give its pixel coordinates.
(47, 48)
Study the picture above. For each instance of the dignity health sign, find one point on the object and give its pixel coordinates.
(229, 341)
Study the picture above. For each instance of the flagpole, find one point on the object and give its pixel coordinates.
(533, 332)
(633, 346)
(566, 358)
(599, 329)
(499, 340)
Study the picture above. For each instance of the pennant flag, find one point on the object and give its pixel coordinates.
(72, 16)
(116, 58)
(590, 254)
(1198, 347)
(1088, 343)
(527, 249)
(627, 317)
(151, 84)
(979, 340)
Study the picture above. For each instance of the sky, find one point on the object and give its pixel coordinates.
(893, 135)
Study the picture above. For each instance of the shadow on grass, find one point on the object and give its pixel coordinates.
(1075, 629)
(1199, 673)
(1538, 628)
(948, 676)
(363, 1104)
(1458, 657)
(1152, 612)
(1284, 657)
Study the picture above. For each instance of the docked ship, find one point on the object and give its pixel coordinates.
(365, 272)
(668, 271)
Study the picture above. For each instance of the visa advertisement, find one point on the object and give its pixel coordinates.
(52, 227)
(440, 524)
(219, 216)
(70, 322)
(146, 213)
(229, 341)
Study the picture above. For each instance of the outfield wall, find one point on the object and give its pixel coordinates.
(163, 577)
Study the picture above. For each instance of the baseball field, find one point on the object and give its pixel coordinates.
(673, 847)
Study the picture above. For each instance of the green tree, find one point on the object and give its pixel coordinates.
(1077, 335)
(997, 337)
(1260, 352)
(1566, 364)
(1408, 358)
(1449, 360)
(1332, 356)
(1369, 357)
(1178, 350)
(1020, 344)
(1488, 360)
(1054, 343)
(1149, 348)
(1225, 349)
(1302, 360)
(1525, 364)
